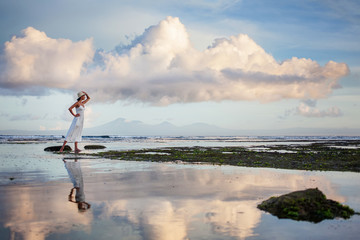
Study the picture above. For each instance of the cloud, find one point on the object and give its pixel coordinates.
(307, 110)
(24, 101)
(35, 60)
(161, 67)
(26, 117)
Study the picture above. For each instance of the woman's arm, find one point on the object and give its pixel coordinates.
(72, 107)
(87, 98)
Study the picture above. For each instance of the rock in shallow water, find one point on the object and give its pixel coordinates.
(57, 148)
(308, 205)
(94, 147)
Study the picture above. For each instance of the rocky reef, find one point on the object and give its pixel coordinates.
(57, 148)
(94, 147)
(313, 156)
(68, 148)
(307, 205)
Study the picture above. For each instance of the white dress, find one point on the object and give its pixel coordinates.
(75, 131)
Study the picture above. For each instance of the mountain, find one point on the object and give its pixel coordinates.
(121, 126)
(124, 127)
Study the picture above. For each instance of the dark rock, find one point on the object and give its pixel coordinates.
(308, 205)
(94, 147)
(57, 148)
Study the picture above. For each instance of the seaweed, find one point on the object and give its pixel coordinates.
(316, 156)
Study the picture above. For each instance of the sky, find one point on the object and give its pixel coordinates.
(236, 64)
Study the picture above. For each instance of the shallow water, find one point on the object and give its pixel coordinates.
(143, 200)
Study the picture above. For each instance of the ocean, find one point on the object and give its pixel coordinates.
(147, 200)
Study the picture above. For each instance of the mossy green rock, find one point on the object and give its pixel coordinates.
(94, 147)
(57, 148)
(308, 205)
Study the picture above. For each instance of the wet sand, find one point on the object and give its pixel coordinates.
(149, 200)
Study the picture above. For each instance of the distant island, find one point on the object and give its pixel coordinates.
(123, 127)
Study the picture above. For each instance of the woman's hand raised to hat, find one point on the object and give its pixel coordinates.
(85, 93)
(87, 97)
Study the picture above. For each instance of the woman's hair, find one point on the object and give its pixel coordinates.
(79, 98)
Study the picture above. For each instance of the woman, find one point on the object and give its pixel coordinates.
(75, 130)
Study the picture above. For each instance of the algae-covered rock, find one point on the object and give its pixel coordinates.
(308, 205)
(94, 147)
(57, 148)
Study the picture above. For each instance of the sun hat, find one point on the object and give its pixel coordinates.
(80, 94)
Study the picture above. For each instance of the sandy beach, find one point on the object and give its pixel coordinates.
(157, 200)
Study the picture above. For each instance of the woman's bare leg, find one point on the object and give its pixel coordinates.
(76, 148)
(62, 148)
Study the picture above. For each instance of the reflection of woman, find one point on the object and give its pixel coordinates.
(75, 130)
(75, 174)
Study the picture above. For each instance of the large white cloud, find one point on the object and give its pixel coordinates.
(162, 67)
(34, 59)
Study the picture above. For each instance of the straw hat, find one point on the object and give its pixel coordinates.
(80, 94)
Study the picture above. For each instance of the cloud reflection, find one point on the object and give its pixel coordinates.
(162, 201)
(34, 212)
(167, 204)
